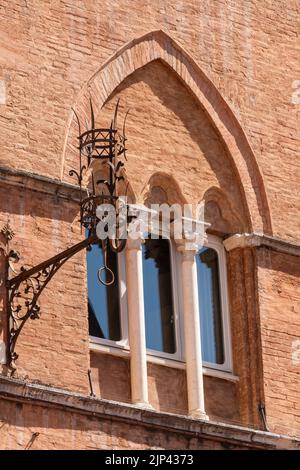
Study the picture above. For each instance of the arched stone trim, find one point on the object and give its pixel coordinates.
(158, 45)
(168, 184)
(220, 213)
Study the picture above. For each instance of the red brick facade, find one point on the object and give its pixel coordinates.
(214, 117)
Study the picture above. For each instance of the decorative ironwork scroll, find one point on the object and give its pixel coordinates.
(25, 289)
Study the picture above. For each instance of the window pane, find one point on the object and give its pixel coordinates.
(210, 306)
(103, 301)
(158, 296)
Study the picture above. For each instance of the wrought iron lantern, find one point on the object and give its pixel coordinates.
(104, 145)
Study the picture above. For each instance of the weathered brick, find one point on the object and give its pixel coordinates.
(249, 167)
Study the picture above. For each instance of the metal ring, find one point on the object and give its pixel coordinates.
(100, 271)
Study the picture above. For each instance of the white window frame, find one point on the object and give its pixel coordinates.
(216, 243)
(177, 356)
(123, 343)
(105, 345)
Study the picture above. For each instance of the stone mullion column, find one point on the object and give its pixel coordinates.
(136, 322)
(192, 336)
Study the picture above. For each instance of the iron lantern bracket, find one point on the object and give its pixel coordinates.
(107, 146)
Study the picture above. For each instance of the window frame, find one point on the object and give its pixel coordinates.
(177, 356)
(213, 242)
(216, 243)
(123, 343)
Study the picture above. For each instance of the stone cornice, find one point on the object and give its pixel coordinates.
(41, 395)
(39, 183)
(250, 240)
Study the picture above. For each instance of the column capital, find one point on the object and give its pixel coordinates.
(135, 241)
(139, 226)
(190, 246)
(191, 236)
(190, 230)
(187, 250)
(135, 234)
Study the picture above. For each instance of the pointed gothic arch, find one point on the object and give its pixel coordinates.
(157, 45)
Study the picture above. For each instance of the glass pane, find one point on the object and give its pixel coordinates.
(210, 306)
(103, 301)
(158, 296)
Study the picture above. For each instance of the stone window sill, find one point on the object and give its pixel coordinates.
(124, 352)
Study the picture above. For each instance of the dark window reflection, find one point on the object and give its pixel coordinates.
(159, 311)
(210, 306)
(103, 301)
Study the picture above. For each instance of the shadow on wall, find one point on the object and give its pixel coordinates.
(158, 45)
(177, 132)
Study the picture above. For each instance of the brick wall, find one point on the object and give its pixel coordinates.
(250, 52)
(38, 417)
(280, 327)
(54, 348)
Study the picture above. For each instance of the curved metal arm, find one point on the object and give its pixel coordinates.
(25, 289)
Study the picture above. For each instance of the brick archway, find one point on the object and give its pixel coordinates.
(158, 45)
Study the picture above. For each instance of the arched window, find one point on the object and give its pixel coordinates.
(163, 302)
(103, 301)
(213, 310)
(158, 296)
(210, 306)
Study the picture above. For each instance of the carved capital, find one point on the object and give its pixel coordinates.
(191, 243)
(187, 249)
(189, 231)
(135, 240)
